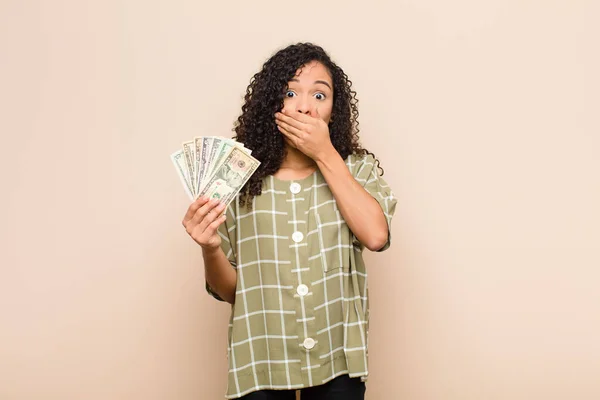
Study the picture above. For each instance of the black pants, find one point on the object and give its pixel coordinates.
(341, 388)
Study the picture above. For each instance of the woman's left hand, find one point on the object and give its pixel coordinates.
(308, 134)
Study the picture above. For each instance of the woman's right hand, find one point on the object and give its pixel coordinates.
(202, 220)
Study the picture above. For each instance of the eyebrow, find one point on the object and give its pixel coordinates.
(317, 81)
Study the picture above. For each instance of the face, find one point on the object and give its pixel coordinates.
(310, 90)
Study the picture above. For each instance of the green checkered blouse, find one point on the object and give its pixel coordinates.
(301, 312)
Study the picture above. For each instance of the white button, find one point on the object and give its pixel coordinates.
(309, 343)
(295, 188)
(297, 237)
(302, 290)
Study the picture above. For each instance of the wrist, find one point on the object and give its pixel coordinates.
(326, 155)
(210, 251)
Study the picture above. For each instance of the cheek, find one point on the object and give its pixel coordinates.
(289, 103)
(325, 112)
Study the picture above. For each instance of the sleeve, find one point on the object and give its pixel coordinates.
(227, 232)
(367, 174)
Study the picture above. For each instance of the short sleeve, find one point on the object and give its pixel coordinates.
(227, 232)
(366, 172)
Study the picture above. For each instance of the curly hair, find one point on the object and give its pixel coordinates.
(256, 127)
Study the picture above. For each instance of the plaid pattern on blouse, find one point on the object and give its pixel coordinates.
(301, 312)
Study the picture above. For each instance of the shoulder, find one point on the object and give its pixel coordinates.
(359, 164)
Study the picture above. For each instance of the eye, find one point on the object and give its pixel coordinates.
(320, 96)
(290, 93)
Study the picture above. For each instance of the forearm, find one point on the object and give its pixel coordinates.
(360, 210)
(220, 275)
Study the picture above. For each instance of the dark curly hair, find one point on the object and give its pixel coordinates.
(256, 127)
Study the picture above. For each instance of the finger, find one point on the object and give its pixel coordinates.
(292, 138)
(290, 129)
(203, 211)
(206, 209)
(298, 116)
(299, 121)
(193, 208)
(211, 216)
(211, 229)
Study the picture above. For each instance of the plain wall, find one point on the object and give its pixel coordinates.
(484, 115)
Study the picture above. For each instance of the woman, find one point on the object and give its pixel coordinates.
(287, 254)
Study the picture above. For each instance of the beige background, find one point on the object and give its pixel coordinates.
(484, 114)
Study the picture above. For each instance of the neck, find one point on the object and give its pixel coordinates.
(296, 160)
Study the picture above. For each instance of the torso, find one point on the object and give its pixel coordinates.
(289, 174)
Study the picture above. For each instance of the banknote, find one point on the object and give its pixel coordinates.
(189, 150)
(198, 141)
(214, 145)
(224, 149)
(232, 174)
(223, 163)
(178, 160)
(203, 163)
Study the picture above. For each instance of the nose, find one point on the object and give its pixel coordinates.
(304, 105)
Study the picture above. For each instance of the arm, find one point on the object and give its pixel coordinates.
(220, 276)
(360, 210)
(202, 222)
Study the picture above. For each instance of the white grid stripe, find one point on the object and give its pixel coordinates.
(322, 245)
(287, 375)
(299, 276)
(263, 312)
(240, 278)
(262, 289)
(256, 338)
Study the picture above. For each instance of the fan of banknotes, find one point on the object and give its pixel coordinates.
(214, 166)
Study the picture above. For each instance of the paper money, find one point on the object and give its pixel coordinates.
(229, 178)
(203, 161)
(190, 161)
(215, 166)
(179, 161)
(198, 141)
(225, 146)
(214, 145)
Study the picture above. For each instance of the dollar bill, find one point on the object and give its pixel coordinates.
(223, 150)
(230, 176)
(178, 159)
(203, 157)
(224, 147)
(215, 144)
(203, 160)
(198, 141)
(190, 163)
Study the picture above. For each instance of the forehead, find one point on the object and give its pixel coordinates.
(313, 71)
